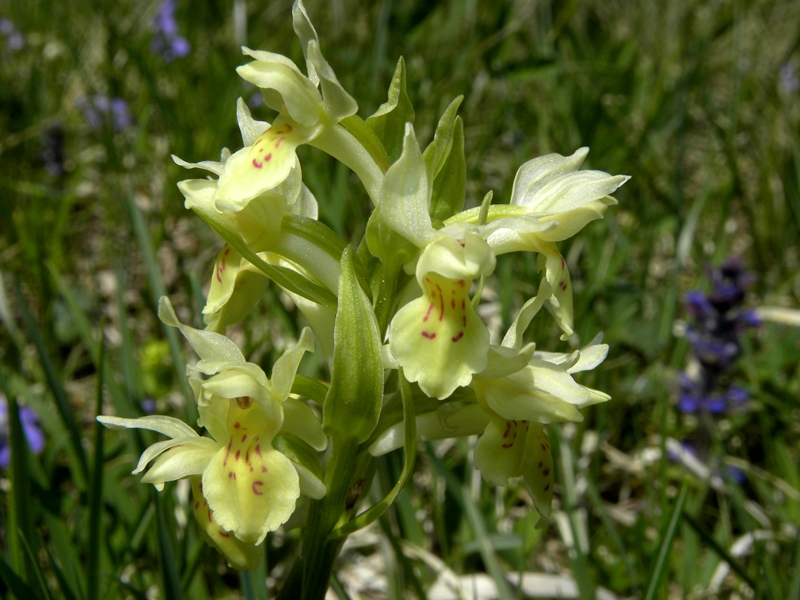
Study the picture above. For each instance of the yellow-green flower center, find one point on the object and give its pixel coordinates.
(251, 436)
(446, 314)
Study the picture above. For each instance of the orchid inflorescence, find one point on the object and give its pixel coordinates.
(396, 316)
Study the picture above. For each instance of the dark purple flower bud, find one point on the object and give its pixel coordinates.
(734, 474)
(749, 318)
(713, 351)
(698, 305)
(53, 151)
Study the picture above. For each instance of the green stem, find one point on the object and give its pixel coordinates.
(318, 553)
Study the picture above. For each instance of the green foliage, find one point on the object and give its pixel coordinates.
(353, 403)
(686, 98)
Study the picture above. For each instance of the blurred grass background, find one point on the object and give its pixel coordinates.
(699, 102)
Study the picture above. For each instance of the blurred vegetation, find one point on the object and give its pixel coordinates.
(694, 100)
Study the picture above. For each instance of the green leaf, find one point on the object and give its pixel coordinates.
(487, 552)
(66, 555)
(37, 570)
(721, 551)
(450, 183)
(353, 402)
(64, 586)
(15, 583)
(390, 119)
(20, 518)
(76, 451)
(121, 401)
(438, 150)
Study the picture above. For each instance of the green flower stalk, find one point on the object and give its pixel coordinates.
(395, 315)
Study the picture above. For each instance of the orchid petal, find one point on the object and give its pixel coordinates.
(208, 345)
(188, 459)
(552, 184)
(240, 555)
(500, 450)
(169, 426)
(438, 339)
(300, 420)
(250, 128)
(207, 165)
(254, 496)
(236, 287)
(286, 366)
(537, 469)
(257, 169)
(283, 84)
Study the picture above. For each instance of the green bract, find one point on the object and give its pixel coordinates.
(395, 308)
(352, 405)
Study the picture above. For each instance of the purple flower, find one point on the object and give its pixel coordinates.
(121, 115)
(148, 406)
(100, 109)
(14, 39)
(718, 320)
(30, 426)
(166, 42)
(789, 82)
(165, 21)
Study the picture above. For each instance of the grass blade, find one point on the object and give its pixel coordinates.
(659, 567)
(15, 583)
(37, 571)
(172, 580)
(485, 548)
(96, 487)
(157, 290)
(19, 519)
(77, 452)
(64, 585)
(720, 550)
